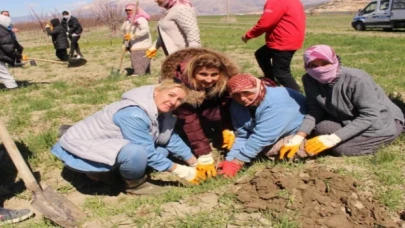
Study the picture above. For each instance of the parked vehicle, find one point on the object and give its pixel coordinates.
(381, 14)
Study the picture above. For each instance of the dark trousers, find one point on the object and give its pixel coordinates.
(62, 54)
(74, 45)
(275, 65)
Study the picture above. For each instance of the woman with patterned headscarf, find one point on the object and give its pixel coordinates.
(177, 28)
(347, 112)
(261, 116)
(138, 39)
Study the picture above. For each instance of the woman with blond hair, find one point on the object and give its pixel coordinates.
(130, 135)
(205, 116)
(137, 38)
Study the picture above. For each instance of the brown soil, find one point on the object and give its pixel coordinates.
(315, 197)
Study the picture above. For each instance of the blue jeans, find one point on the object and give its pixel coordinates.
(132, 161)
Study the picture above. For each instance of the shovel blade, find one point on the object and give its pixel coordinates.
(77, 62)
(33, 63)
(57, 208)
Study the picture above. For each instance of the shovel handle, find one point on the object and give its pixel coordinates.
(49, 61)
(19, 162)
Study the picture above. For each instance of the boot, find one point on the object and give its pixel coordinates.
(141, 187)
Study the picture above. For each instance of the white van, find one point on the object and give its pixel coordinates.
(383, 14)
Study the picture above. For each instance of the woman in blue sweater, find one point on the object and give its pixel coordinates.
(131, 135)
(346, 110)
(261, 115)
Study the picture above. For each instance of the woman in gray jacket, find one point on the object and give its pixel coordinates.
(347, 112)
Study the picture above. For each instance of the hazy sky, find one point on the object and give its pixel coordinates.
(18, 8)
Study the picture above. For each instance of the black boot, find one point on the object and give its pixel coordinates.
(140, 186)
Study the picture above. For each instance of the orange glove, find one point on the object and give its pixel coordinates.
(24, 57)
(127, 36)
(291, 147)
(320, 143)
(229, 139)
(190, 174)
(151, 52)
(205, 164)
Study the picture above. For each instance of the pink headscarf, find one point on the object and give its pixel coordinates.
(323, 74)
(140, 13)
(170, 3)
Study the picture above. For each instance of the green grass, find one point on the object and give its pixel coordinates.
(33, 113)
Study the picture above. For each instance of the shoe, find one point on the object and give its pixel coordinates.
(78, 57)
(134, 75)
(13, 216)
(141, 187)
(62, 129)
(19, 64)
(105, 177)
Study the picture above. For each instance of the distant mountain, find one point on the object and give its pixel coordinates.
(211, 7)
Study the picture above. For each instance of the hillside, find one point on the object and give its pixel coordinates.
(340, 6)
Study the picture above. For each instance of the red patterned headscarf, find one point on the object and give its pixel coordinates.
(248, 83)
(140, 12)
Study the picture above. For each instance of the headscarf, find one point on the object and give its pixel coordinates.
(139, 13)
(170, 3)
(247, 83)
(323, 74)
(5, 21)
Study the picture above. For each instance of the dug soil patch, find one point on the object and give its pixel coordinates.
(313, 197)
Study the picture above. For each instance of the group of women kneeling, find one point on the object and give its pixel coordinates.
(203, 102)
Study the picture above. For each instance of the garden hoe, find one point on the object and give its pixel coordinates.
(71, 63)
(46, 201)
(117, 72)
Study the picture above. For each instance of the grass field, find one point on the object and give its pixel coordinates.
(53, 94)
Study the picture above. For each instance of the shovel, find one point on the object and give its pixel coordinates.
(50, 203)
(71, 63)
(115, 71)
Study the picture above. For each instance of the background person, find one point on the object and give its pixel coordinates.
(74, 30)
(14, 30)
(283, 22)
(347, 112)
(138, 36)
(261, 116)
(205, 117)
(177, 28)
(59, 38)
(131, 135)
(10, 52)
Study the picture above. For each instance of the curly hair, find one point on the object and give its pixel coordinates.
(189, 61)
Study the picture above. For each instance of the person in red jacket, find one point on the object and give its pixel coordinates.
(205, 118)
(284, 25)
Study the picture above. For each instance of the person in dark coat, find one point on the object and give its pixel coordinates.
(74, 30)
(10, 52)
(59, 38)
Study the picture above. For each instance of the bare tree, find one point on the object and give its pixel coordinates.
(109, 12)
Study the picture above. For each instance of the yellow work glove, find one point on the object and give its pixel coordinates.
(205, 164)
(291, 147)
(190, 174)
(320, 143)
(127, 36)
(229, 139)
(151, 52)
(24, 57)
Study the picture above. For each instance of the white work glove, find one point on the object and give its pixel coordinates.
(291, 147)
(190, 174)
(320, 143)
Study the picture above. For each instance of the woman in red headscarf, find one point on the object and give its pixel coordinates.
(261, 114)
(346, 110)
(137, 38)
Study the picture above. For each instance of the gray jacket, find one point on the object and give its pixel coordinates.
(355, 100)
(98, 139)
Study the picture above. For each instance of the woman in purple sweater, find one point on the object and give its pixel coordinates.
(206, 117)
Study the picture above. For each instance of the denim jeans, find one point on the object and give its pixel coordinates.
(275, 65)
